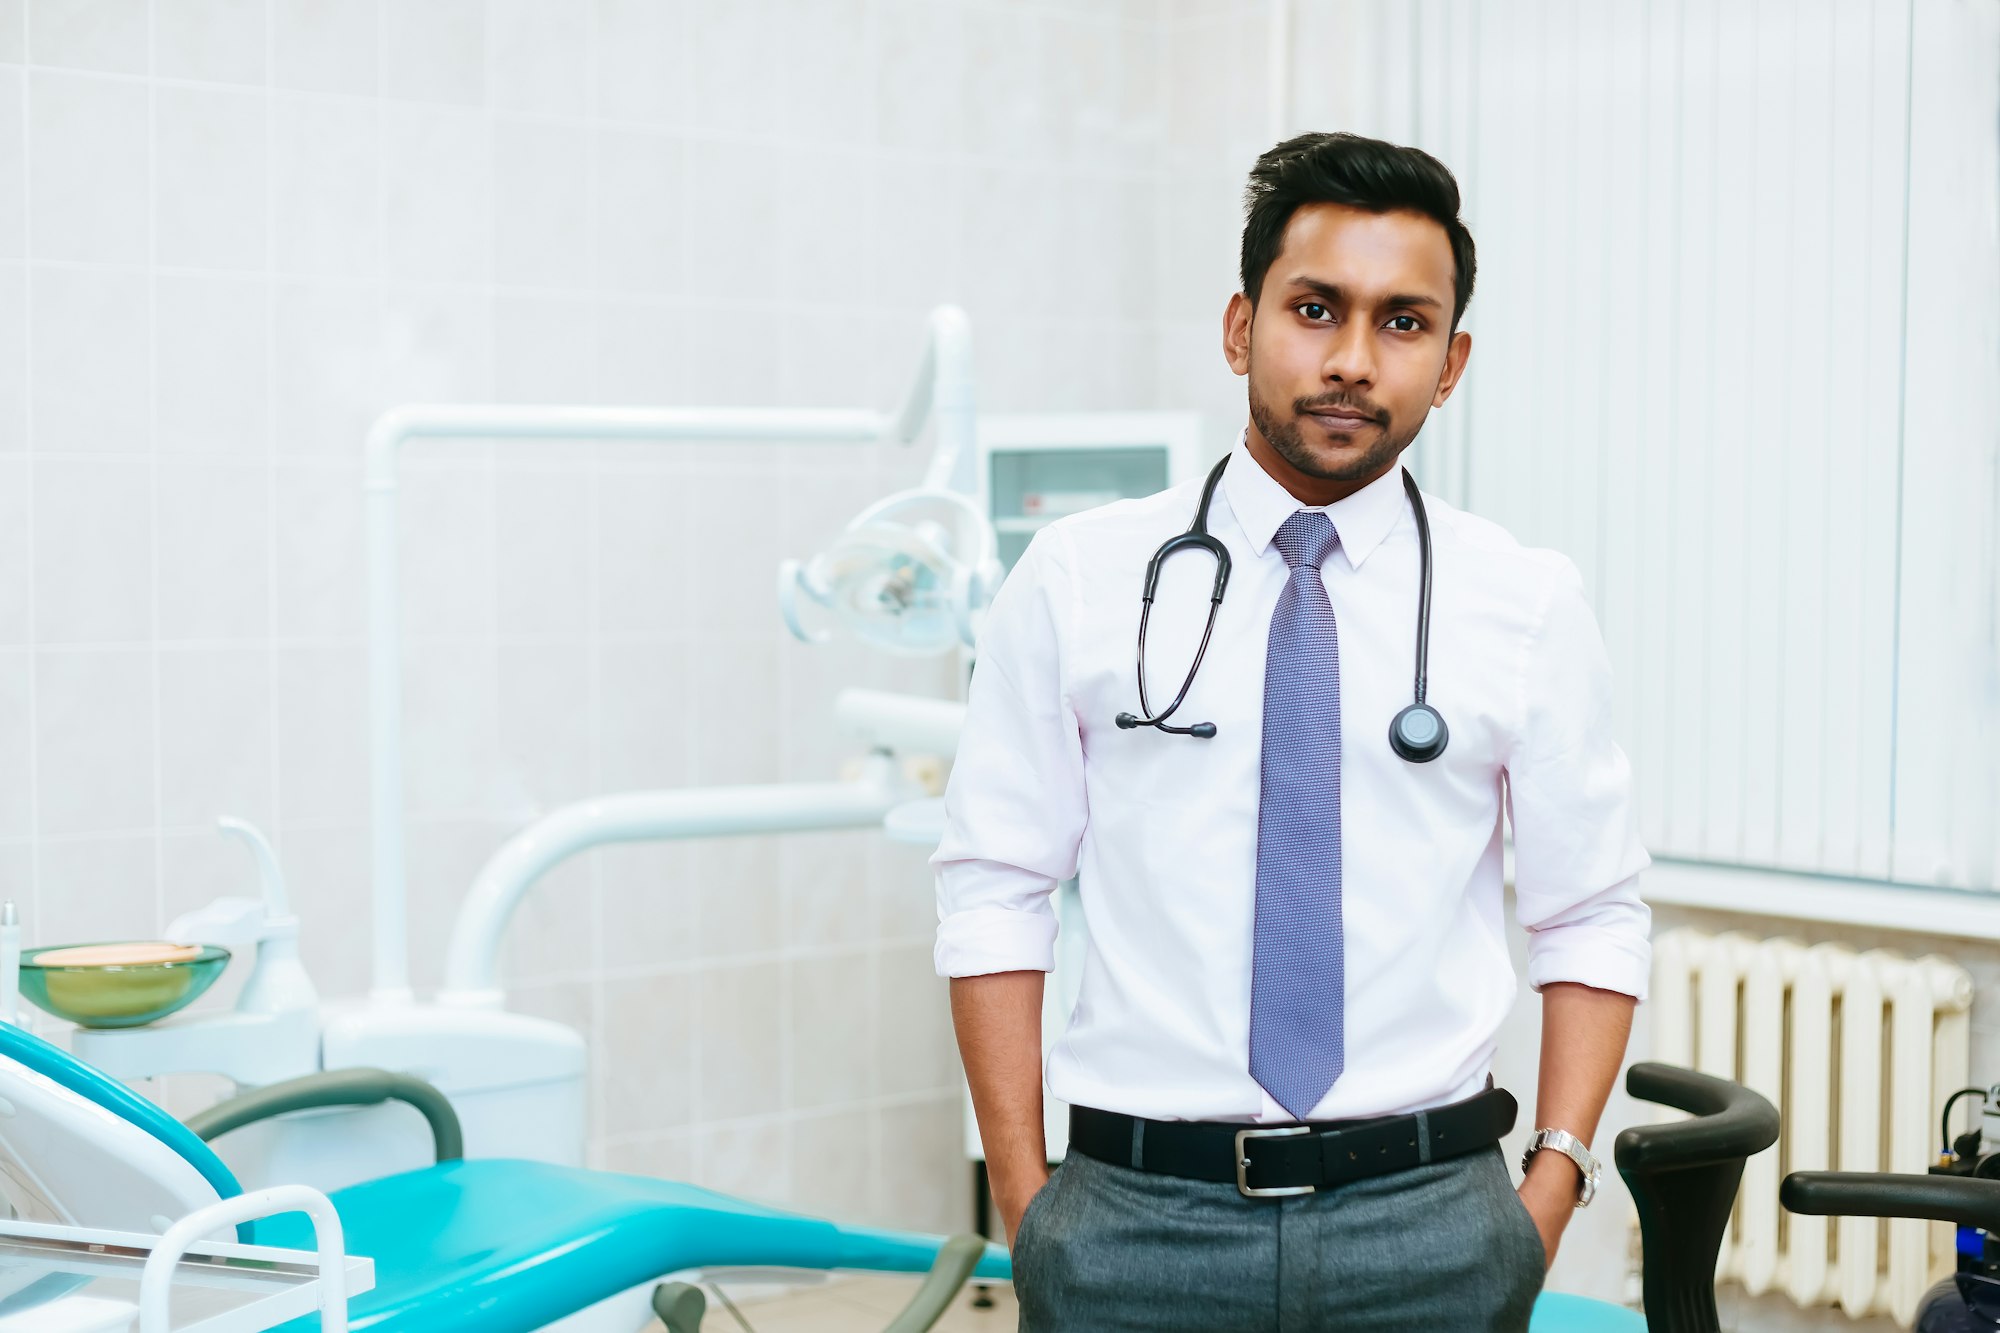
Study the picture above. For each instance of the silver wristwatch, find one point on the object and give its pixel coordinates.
(1570, 1146)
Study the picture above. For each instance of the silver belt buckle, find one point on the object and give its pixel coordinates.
(1243, 1136)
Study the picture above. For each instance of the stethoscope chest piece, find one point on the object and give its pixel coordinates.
(1418, 733)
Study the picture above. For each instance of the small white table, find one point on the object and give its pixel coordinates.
(61, 1279)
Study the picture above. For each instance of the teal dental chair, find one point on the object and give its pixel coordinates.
(1683, 1177)
(492, 1245)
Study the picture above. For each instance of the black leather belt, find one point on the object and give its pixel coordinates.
(1270, 1161)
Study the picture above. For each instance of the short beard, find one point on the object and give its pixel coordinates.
(1288, 438)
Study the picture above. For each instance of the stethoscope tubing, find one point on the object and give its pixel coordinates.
(1419, 740)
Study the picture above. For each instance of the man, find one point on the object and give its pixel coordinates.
(1294, 925)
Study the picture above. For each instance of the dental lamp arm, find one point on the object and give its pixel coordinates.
(882, 721)
(472, 963)
(944, 387)
(337, 1087)
(903, 723)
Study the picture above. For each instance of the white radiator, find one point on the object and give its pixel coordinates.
(1858, 1052)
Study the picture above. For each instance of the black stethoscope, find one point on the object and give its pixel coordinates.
(1417, 733)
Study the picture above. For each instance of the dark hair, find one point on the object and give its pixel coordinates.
(1361, 173)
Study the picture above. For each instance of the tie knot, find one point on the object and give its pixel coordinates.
(1306, 538)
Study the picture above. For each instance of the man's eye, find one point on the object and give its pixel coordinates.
(1404, 324)
(1313, 310)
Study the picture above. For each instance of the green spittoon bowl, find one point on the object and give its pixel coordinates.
(118, 995)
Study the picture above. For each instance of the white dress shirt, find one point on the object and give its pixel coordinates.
(1162, 829)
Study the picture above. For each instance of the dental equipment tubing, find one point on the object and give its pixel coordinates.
(943, 386)
(885, 721)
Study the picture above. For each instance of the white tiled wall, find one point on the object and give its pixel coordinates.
(233, 231)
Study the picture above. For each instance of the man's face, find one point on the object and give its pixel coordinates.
(1350, 344)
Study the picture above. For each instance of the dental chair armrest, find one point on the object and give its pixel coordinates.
(337, 1087)
(1730, 1121)
(1964, 1200)
(955, 1262)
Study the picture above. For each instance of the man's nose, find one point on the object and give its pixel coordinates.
(1350, 359)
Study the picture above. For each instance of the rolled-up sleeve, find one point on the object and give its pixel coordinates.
(1014, 806)
(1577, 851)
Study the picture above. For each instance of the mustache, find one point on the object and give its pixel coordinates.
(1341, 403)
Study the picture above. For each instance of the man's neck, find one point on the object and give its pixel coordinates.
(1303, 487)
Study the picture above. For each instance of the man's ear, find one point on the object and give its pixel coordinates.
(1236, 333)
(1454, 366)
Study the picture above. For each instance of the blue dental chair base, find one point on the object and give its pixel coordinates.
(496, 1245)
(1556, 1312)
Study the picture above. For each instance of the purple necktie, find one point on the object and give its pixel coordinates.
(1298, 976)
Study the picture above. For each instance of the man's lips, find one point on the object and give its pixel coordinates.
(1338, 418)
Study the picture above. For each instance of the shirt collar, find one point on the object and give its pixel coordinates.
(1261, 505)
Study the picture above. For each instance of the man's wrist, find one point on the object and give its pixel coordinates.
(1577, 1169)
(1552, 1171)
(1023, 1176)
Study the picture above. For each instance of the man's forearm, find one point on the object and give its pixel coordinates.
(1583, 1045)
(998, 1019)
(1584, 1031)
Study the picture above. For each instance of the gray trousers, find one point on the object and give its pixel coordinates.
(1444, 1245)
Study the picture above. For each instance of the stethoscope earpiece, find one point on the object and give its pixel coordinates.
(1417, 733)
